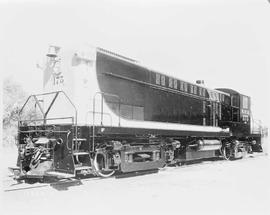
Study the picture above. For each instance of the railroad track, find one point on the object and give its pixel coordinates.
(64, 184)
(57, 185)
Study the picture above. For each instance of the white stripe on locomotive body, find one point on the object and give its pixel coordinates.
(81, 85)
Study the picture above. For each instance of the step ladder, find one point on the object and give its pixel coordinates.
(81, 157)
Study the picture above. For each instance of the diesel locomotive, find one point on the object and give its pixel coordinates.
(102, 113)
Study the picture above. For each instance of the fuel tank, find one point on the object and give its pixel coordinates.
(209, 145)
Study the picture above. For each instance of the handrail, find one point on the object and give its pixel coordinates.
(37, 130)
(94, 107)
(107, 114)
(42, 111)
(106, 94)
(29, 120)
(255, 129)
(45, 113)
(49, 108)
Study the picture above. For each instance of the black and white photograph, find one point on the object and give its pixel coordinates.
(137, 107)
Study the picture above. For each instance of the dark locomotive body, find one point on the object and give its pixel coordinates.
(151, 96)
(152, 120)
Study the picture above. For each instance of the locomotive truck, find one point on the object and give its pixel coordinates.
(102, 113)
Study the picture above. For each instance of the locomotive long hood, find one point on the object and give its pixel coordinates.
(113, 90)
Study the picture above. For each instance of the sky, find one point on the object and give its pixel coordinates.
(223, 42)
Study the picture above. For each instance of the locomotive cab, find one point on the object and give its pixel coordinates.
(237, 110)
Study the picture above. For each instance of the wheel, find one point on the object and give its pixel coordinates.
(227, 153)
(100, 165)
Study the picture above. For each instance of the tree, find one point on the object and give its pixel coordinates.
(13, 98)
